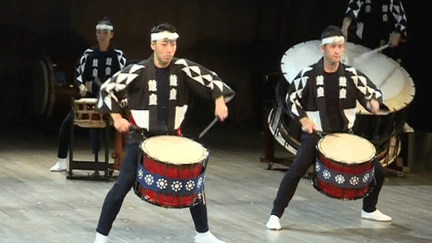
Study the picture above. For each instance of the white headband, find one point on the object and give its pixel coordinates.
(164, 35)
(104, 27)
(333, 39)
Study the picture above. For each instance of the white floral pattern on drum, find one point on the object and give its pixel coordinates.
(169, 186)
(161, 184)
(149, 179)
(343, 180)
(176, 186)
(190, 185)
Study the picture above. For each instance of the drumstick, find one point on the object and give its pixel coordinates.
(208, 128)
(363, 57)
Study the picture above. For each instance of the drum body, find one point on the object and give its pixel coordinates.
(381, 129)
(171, 171)
(344, 166)
(85, 114)
(53, 87)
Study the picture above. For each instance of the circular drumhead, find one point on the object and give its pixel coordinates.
(298, 57)
(174, 150)
(394, 81)
(346, 148)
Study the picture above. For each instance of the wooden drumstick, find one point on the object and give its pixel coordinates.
(363, 57)
(208, 127)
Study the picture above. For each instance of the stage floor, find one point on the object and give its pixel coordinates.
(39, 206)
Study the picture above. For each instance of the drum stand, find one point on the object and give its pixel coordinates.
(268, 146)
(268, 142)
(95, 165)
(119, 150)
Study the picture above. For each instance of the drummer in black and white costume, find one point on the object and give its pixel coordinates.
(376, 22)
(157, 90)
(96, 65)
(323, 99)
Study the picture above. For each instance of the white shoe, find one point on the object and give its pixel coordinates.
(206, 237)
(60, 166)
(273, 223)
(376, 215)
(100, 238)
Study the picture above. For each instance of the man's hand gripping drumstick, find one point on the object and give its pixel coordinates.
(221, 110)
(373, 106)
(122, 125)
(308, 125)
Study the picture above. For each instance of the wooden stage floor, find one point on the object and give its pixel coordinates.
(39, 206)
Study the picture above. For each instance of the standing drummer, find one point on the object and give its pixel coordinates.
(158, 91)
(373, 23)
(95, 66)
(323, 99)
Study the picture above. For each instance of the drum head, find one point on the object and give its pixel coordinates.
(174, 150)
(395, 83)
(346, 148)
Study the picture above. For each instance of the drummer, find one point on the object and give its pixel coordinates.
(158, 93)
(96, 65)
(323, 99)
(375, 23)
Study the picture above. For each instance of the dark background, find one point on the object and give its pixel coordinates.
(240, 40)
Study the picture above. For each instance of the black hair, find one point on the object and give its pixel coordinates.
(163, 26)
(331, 30)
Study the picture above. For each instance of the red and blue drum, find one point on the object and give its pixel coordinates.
(171, 174)
(344, 166)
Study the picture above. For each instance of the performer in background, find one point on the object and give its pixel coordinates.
(323, 99)
(375, 23)
(95, 66)
(158, 91)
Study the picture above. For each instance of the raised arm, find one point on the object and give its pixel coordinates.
(207, 84)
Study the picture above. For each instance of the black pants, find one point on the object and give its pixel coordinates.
(304, 158)
(65, 137)
(126, 180)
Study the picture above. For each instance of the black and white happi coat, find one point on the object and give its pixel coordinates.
(305, 96)
(138, 83)
(95, 63)
(377, 19)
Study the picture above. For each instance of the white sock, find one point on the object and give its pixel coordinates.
(100, 238)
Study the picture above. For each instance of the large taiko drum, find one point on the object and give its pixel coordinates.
(171, 171)
(53, 87)
(382, 129)
(344, 166)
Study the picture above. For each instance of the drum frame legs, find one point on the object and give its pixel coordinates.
(95, 165)
(268, 146)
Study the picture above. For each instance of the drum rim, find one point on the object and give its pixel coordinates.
(44, 65)
(367, 160)
(277, 133)
(86, 100)
(197, 161)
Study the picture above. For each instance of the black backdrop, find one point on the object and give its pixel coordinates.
(237, 39)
